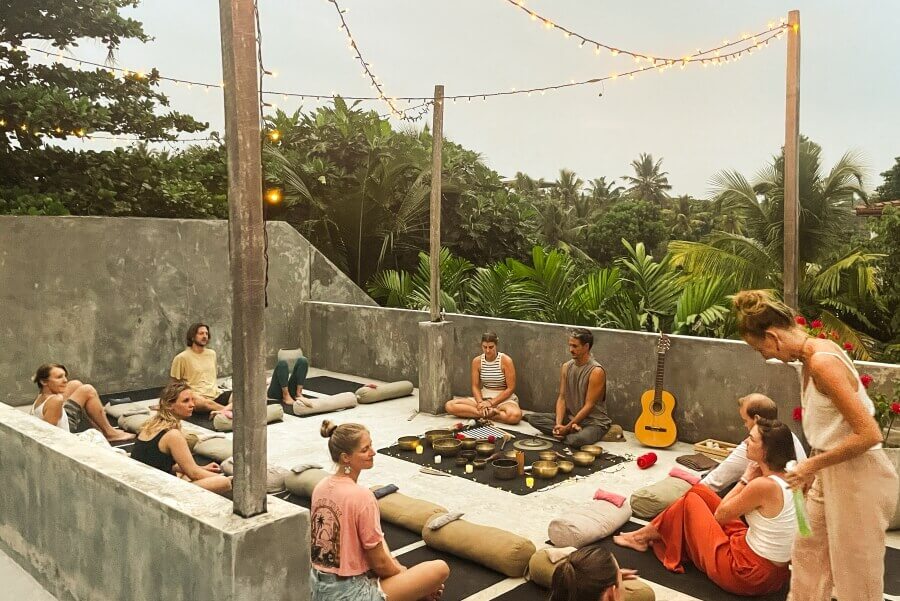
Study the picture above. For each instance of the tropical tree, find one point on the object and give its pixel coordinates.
(604, 193)
(649, 181)
(687, 218)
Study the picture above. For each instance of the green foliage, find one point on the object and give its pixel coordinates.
(890, 187)
(649, 181)
(637, 220)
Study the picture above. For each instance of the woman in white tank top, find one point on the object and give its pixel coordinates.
(851, 485)
(493, 387)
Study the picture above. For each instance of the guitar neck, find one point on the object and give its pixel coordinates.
(660, 372)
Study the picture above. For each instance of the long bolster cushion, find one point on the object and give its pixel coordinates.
(303, 484)
(114, 412)
(491, 547)
(650, 501)
(274, 413)
(384, 392)
(274, 475)
(541, 570)
(325, 404)
(217, 449)
(586, 523)
(134, 423)
(407, 512)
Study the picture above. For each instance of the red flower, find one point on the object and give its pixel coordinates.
(460, 436)
(822, 335)
(492, 438)
(817, 323)
(895, 407)
(834, 335)
(800, 320)
(848, 346)
(798, 414)
(866, 379)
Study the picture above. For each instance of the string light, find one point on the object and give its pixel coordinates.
(273, 196)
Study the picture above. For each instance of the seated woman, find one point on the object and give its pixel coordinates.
(593, 574)
(744, 559)
(71, 405)
(493, 387)
(161, 443)
(346, 540)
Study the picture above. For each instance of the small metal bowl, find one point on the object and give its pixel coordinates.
(565, 466)
(504, 469)
(433, 435)
(469, 455)
(593, 449)
(479, 463)
(485, 449)
(509, 454)
(460, 460)
(446, 446)
(408, 443)
(547, 455)
(545, 469)
(469, 444)
(583, 458)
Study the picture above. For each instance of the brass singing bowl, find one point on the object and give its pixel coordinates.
(433, 435)
(504, 469)
(565, 466)
(485, 448)
(583, 458)
(469, 443)
(460, 460)
(446, 446)
(510, 454)
(547, 455)
(593, 449)
(469, 455)
(479, 463)
(545, 469)
(408, 443)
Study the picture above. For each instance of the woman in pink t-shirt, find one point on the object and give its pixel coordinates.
(351, 561)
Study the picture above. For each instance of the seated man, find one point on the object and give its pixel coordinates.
(197, 365)
(580, 416)
(493, 386)
(750, 408)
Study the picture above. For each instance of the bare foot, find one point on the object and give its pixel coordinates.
(286, 398)
(299, 392)
(628, 539)
(120, 436)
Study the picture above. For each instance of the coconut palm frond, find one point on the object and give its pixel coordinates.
(847, 333)
(728, 255)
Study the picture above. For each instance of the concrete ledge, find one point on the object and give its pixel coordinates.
(89, 523)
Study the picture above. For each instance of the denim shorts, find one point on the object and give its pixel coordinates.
(331, 587)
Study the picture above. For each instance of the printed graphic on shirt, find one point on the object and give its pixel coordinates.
(325, 537)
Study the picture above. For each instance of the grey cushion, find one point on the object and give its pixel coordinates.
(290, 356)
(134, 423)
(303, 484)
(336, 402)
(650, 501)
(114, 412)
(274, 475)
(274, 413)
(217, 449)
(384, 392)
(585, 523)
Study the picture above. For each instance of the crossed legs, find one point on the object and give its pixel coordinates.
(421, 581)
(86, 396)
(467, 407)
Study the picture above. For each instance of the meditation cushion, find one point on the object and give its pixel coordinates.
(274, 413)
(491, 547)
(541, 569)
(637, 590)
(114, 412)
(335, 402)
(303, 484)
(290, 357)
(407, 512)
(586, 523)
(650, 501)
(217, 449)
(134, 423)
(614, 434)
(384, 392)
(274, 475)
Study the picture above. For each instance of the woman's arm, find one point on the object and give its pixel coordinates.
(743, 499)
(476, 380)
(381, 562)
(509, 372)
(53, 409)
(174, 444)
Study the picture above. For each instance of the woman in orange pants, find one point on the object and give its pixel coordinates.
(744, 559)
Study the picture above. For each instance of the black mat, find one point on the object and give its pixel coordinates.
(395, 536)
(528, 591)
(892, 571)
(485, 475)
(329, 385)
(144, 394)
(466, 577)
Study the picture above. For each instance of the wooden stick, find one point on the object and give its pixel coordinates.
(792, 165)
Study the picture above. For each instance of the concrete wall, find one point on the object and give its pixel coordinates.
(91, 524)
(706, 375)
(111, 298)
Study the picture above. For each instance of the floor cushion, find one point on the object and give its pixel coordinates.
(585, 523)
(491, 547)
(274, 413)
(541, 569)
(650, 501)
(384, 392)
(217, 449)
(114, 412)
(325, 404)
(303, 484)
(408, 512)
(274, 475)
(134, 423)
(614, 434)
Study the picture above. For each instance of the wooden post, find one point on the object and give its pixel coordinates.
(792, 164)
(246, 247)
(437, 132)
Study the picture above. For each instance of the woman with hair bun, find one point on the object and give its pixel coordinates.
(593, 574)
(851, 485)
(346, 538)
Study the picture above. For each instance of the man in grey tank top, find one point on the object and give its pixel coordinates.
(580, 417)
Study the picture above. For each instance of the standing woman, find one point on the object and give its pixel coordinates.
(851, 484)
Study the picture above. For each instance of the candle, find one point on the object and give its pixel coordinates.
(419, 450)
(529, 481)
(469, 468)
(437, 458)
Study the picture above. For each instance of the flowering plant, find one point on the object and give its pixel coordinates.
(887, 409)
(817, 329)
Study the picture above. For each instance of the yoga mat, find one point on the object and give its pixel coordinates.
(527, 591)
(486, 475)
(892, 571)
(144, 394)
(329, 385)
(395, 536)
(466, 577)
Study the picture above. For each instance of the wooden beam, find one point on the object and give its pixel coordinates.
(246, 248)
(792, 164)
(437, 132)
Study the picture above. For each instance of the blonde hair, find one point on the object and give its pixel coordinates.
(165, 419)
(759, 310)
(342, 438)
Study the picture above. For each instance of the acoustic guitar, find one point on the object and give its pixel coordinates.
(655, 426)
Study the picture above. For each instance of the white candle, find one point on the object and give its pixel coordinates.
(437, 458)
(469, 468)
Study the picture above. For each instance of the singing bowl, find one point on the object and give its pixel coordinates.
(583, 458)
(545, 469)
(593, 449)
(547, 455)
(433, 435)
(504, 469)
(408, 443)
(445, 446)
(469, 455)
(485, 448)
(460, 460)
(509, 454)
(469, 443)
(479, 463)
(565, 466)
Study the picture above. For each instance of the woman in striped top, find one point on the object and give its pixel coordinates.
(493, 387)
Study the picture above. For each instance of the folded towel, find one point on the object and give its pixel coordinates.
(441, 521)
(201, 436)
(602, 495)
(697, 462)
(385, 490)
(299, 469)
(557, 554)
(677, 472)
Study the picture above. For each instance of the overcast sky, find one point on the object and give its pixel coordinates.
(698, 120)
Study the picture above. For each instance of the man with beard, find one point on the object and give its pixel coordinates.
(197, 365)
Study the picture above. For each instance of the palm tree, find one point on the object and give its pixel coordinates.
(604, 193)
(686, 221)
(568, 187)
(649, 181)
